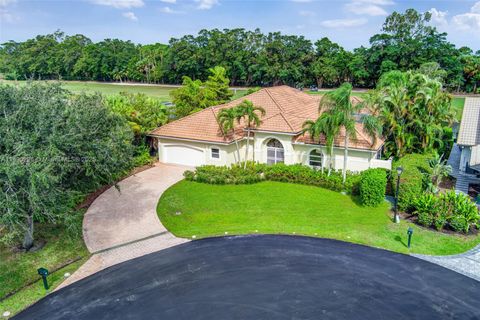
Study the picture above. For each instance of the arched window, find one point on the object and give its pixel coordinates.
(315, 159)
(275, 152)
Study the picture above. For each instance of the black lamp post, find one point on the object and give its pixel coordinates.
(396, 218)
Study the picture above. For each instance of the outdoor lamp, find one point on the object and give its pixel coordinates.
(396, 218)
(399, 171)
(409, 232)
(44, 273)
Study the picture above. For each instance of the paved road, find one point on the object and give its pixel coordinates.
(266, 277)
(122, 225)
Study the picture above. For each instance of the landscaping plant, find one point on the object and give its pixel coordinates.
(456, 211)
(413, 181)
(256, 172)
(373, 184)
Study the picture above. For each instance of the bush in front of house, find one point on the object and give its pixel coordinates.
(256, 172)
(235, 174)
(373, 184)
(448, 209)
(413, 180)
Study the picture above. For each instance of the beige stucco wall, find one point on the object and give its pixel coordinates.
(228, 154)
(358, 160)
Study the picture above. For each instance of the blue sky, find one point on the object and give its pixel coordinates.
(348, 22)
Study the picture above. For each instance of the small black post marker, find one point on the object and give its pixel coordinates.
(44, 273)
(409, 232)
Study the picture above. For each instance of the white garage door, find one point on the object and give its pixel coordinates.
(183, 155)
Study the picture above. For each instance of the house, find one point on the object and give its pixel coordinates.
(465, 155)
(468, 139)
(198, 139)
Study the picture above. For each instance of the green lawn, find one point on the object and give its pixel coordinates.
(17, 269)
(158, 91)
(203, 210)
(457, 105)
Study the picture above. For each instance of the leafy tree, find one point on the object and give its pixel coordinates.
(433, 71)
(196, 95)
(250, 114)
(217, 86)
(142, 113)
(251, 58)
(190, 97)
(413, 110)
(327, 66)
(54, 147)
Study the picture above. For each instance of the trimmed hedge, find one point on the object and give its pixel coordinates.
(256, 172)
(413, 180)
(448, 209)
(373, 184)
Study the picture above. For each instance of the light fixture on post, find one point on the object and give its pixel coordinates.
(396, 218)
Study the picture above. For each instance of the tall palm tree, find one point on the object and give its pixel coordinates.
(226, 118)
(337, 104)
(250, 114)
(325, 125)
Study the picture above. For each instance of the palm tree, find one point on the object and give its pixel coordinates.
(249, 113)
(327, 126)
(413, 110)
(226, 118)
(372, 126)
(440, 169)
(337, 104)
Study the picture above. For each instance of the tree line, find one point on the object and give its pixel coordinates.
(406, 41)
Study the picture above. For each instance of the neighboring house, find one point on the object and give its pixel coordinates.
(468, 139)
(197, 139)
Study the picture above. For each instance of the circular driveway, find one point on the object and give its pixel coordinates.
(266, 277)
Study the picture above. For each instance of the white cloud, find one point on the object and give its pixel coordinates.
(130, 16)
(169, 1)
(169, 10)
(469, 21)
(306, 13)
(301, 1)
(343, 23)
(476, 8)
(119, 4)
(439, 18)
(206, 4)
(368, 7)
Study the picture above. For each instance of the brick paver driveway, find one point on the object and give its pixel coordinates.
(123, 224)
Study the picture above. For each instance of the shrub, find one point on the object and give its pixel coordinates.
(426, 206)
(448, 209)
(413, 180)
(256, 172)
(373, 184)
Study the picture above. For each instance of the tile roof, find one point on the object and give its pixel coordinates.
(469, 133)
(286, 109)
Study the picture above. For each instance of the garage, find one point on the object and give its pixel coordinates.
(184, 155)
